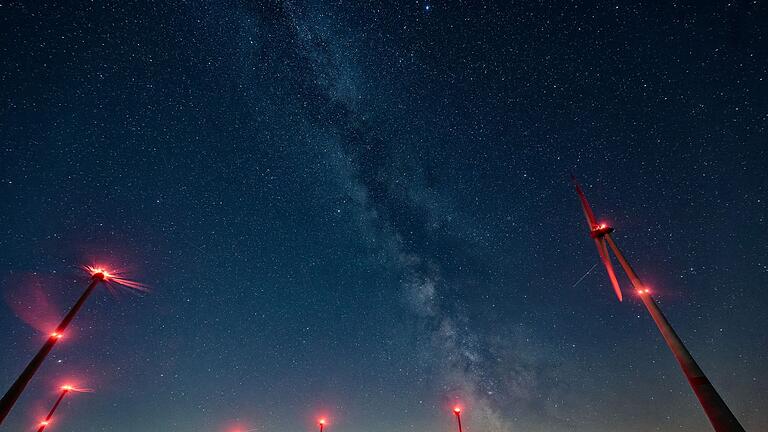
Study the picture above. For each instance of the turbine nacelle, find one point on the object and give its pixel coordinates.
(598, 231)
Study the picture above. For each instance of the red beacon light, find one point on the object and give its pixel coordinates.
(99, 272)
(457, 410)
(115, 278)
(57, 335)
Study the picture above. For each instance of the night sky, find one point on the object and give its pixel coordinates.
(363, 210)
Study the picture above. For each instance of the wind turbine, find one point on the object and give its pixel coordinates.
(98, 275)
(65, 390)
(457, 413)
(717, 411)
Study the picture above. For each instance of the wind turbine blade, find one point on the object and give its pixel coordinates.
(591, 220)
(603, 250)
(633, 277)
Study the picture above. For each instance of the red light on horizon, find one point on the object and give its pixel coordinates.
(44, 423)
(67, 387)
(321, 421)
(457, 410)
(57, 335)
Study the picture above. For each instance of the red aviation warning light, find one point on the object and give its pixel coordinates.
(98, 272)
(114, 278)
(71, 388)
(322, 422)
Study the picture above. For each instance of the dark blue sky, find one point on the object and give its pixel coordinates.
(363, 210)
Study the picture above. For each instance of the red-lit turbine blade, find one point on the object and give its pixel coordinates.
(591, 220)
(603, 250)
(633, 278)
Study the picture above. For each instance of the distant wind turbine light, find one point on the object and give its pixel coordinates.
(717, 411)
(457, 413)
(98, 275)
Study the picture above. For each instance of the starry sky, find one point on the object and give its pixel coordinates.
(362, 210)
